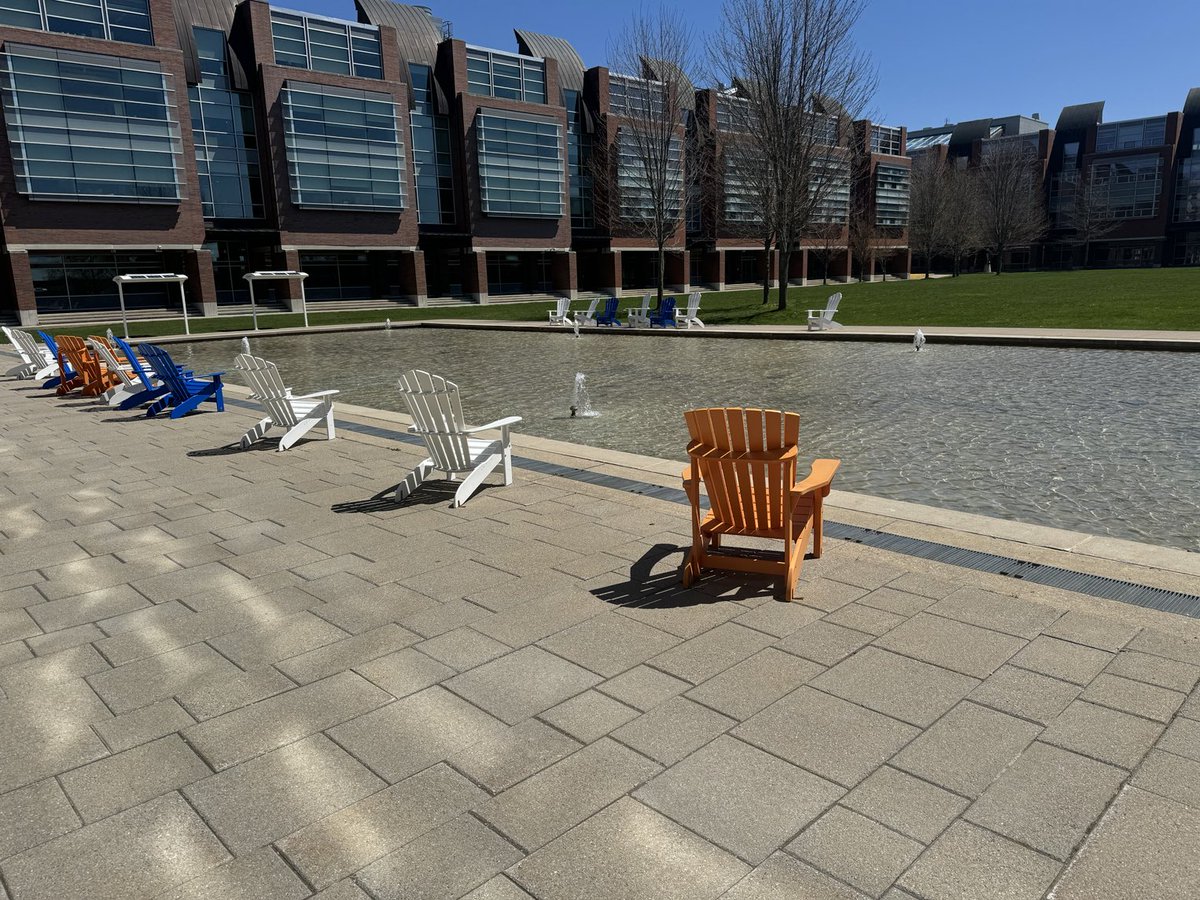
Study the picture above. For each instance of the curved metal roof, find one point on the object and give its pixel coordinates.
(971, 131)
(570, 66)
(1080, 117)
(669, 73)
(217, 15)
(418, 33)
(1191, 106)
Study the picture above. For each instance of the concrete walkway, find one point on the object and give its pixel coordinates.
(231, 674)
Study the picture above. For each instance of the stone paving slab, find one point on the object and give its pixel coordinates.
(304, 691)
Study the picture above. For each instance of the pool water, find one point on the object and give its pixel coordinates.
(1102, 441)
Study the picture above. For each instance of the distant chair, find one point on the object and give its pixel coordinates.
(821, 319)
(746, 461)
(124, 385)
(561, 314)
(297, 413)
(35, 359)
(185, 393)
(665, 314)
(690, 316)
(92, 378)
(436, 410)
(639, 316)
(588, 316)
(609, 316)
(62, 374)
(152, 387)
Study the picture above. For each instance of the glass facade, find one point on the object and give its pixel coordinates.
(579, 153)
(1131, 134)
(1130, 186)
(1187, 191)
(337, 275)
(742, 203)
(226, 140)
(520, 165)
(88, 127)
(325, 45)
(636, 188)
(432, 160)
(825, 129)
(885, 140)
(891, 194)
(634, 97)
(74, 282)
(506, 75)
(831, 178)
(112, 20)
(343, 147)
(1028, 143)
(733, 113)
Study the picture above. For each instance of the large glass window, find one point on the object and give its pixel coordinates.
(507, 75)
(733, 113)
(520, 165)
(1187, 191)
(226, 140)
(637, 189)
(579, 153)
(74, 282)
(343, 148)
(325, 45)
(635, 97)
(831, 182)
(1129, 186)
(113, 20)
(891, 194)
(1132, 134)
(885, 140)
(742, 202)
(432, 160)
(88, 127)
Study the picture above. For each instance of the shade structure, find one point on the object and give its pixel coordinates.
(151, 278)
(274, 275)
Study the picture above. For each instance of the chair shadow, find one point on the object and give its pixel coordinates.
(264, 445)
(647, 590)
(431, 493)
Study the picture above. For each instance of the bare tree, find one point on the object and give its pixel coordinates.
(1011, 206)
(825, 238)
(797, 64)
(963, 217)
(1086, 211)
(861, 230)
(929, 198)
(644, 190)
(747, 189)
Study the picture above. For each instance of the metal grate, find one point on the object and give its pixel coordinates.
(1050, 576)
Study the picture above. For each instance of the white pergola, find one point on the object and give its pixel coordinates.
(288, 275)
(159, 278)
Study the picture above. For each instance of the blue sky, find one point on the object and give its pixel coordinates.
(963, 59)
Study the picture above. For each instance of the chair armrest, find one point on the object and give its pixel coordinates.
(819, 478)
(816, 313)
(491, 426)
(311, 396)
(687, 474)
(216, 375)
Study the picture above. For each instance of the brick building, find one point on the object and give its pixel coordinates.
(388, 160)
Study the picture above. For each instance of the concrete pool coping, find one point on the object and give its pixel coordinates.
(1085, 338)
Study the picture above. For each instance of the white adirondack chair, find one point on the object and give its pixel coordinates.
(588, 317)
(639, 317)
(561, 314)
(298, 414)
(129, 385)
(36, 352)
(690, 316)
(437, 415)
(27, 366)
(820, 319)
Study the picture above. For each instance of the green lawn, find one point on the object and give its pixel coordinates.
(1130, 298)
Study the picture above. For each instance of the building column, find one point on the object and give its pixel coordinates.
(202, 283)
(475, 280)
(677, 266)
(412, 277)
(712, 269)
(798, 267)
(20, 277)
(288, 289)
(611, 266)
(564, 274)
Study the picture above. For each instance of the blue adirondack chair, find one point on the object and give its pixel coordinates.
(67, 372)
(609, 316)
(184, 392)
(665, 314)
(150, 390)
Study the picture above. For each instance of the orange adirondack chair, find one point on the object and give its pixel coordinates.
(93, 376)
(746, 460)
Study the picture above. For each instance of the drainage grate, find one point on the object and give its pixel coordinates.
(1050, 576)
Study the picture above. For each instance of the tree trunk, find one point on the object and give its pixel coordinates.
(928, 265)
(661, 272)
(785, 262)
(766, 264)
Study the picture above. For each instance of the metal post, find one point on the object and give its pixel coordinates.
(124, 320)
(303, 303)
(187, 329)
(253, 308)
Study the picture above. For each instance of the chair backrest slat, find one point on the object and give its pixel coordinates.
(135, 364)
(262, 376)
(165, 368)
(832, 305)
(610, 308)
(109, 358)
(436, 410)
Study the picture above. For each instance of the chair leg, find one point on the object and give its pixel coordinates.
(818, 526)
(414, 480)
(508, 475)
(329, 427)
(471, 483)
(297, 431)
(256, 433)
(182, 409)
